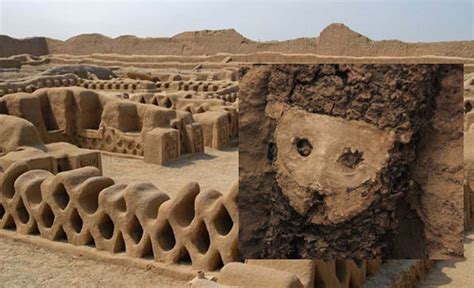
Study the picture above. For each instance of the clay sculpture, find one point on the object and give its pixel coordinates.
(351, 161)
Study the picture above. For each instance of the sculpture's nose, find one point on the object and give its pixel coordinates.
(321, 170)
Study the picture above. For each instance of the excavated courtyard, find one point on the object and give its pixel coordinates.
(214, 169)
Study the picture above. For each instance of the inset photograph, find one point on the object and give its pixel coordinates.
(354, 161)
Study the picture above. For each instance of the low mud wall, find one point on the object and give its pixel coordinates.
(83, 207)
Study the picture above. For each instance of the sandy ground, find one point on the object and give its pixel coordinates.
(25, 265)
(453, 273)
(212, 170)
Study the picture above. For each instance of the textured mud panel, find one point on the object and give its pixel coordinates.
(328, 160)
(468, 153)
(256, 178)
(439, 170)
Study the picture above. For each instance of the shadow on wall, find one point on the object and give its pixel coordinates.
(448, 272)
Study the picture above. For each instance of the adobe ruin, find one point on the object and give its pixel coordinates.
(183, 104)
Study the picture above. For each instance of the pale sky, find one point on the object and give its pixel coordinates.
(411, 21)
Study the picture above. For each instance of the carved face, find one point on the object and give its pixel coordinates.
(329, 167)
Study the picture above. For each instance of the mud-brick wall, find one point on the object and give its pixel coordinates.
(351, 161)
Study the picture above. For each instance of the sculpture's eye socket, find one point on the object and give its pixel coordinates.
(303, 147)
(467, 107)
(350, 158)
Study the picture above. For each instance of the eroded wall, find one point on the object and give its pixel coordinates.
(94, 121)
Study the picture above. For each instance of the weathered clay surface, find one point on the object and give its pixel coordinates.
(335, 161)
(468, 151)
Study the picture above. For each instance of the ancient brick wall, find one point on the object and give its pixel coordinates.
(94, 121)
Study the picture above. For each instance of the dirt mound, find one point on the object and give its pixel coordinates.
(186, 43)
(336, 39)
(225, 33)
(10, 46)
